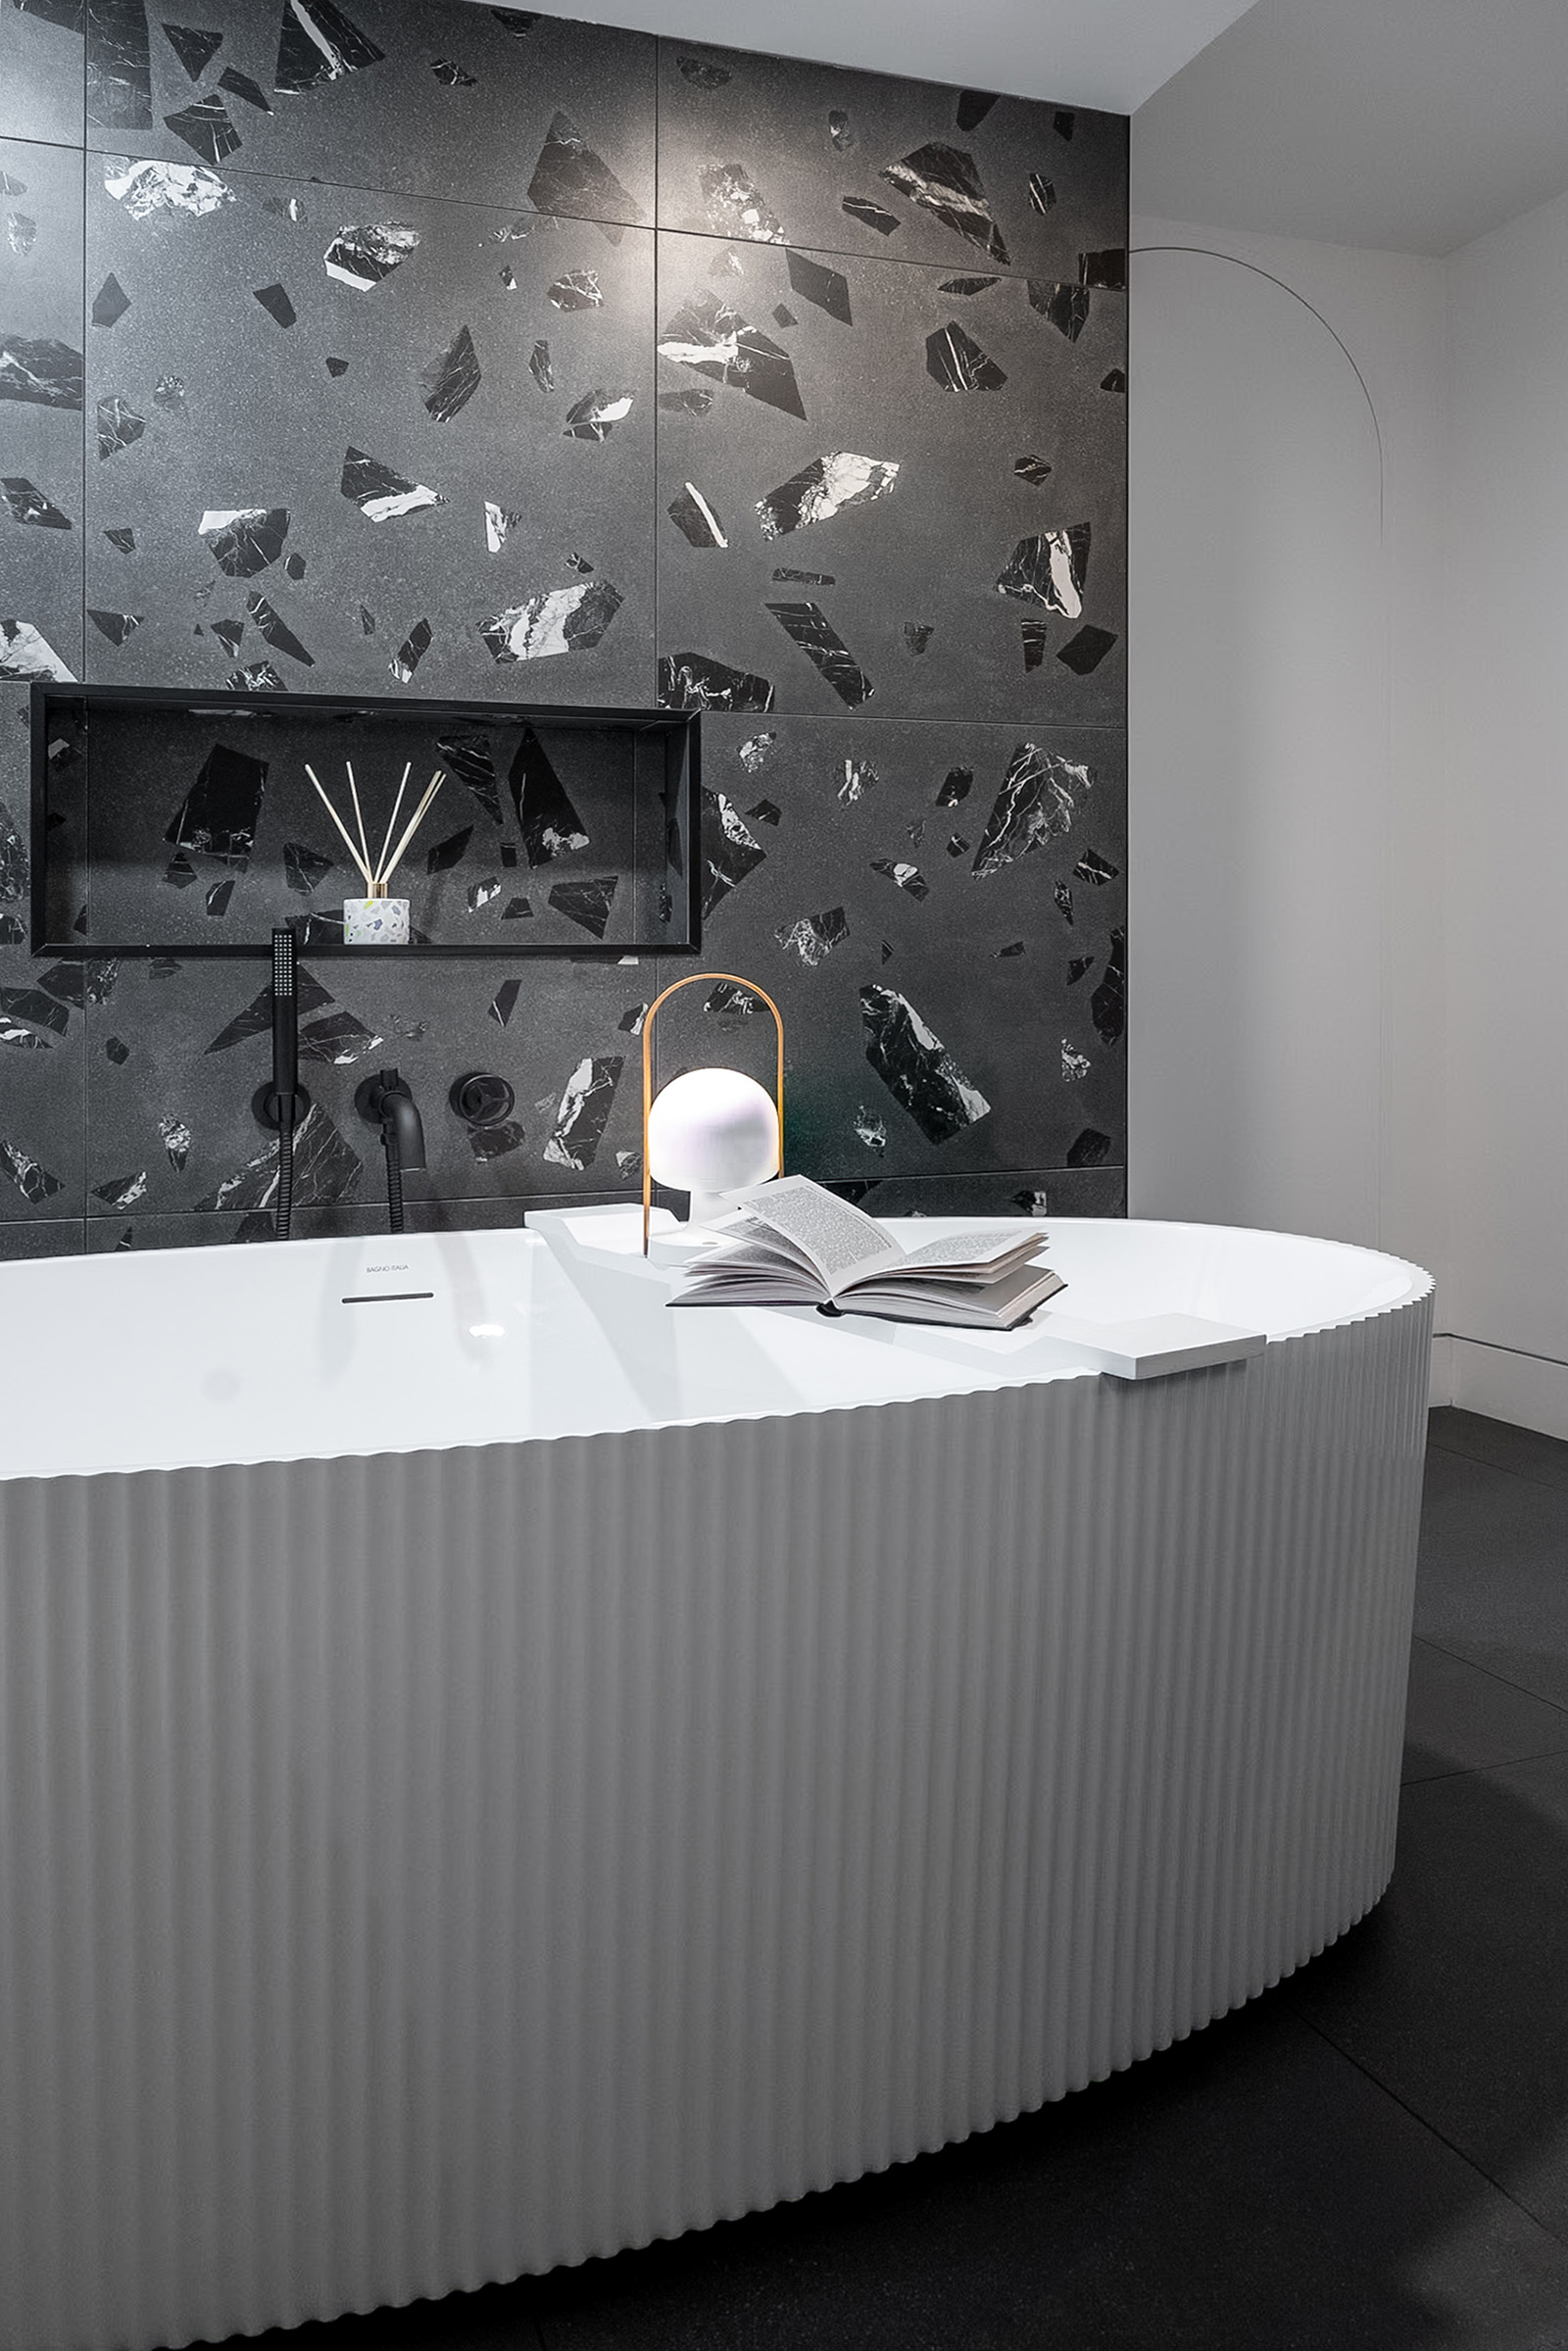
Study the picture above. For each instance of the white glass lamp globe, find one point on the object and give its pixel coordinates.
(710, 1132)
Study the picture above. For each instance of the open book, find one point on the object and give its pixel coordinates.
(791, 1244)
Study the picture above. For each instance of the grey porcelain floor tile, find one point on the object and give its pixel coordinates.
(1523, 1451)
(1493, 1585)
(1460, 1718)
(1453, 1994)
(1248, 2191)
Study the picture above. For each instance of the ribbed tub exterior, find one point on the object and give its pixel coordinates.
(422, 1870)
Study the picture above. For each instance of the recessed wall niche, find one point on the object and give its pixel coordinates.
(809, 384)
(180, 825)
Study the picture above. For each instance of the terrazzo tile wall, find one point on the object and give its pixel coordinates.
(428, 350)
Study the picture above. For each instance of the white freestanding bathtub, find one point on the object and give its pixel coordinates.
(496, 1770)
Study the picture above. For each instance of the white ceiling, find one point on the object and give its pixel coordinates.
(1410, 124)
(1106, 53)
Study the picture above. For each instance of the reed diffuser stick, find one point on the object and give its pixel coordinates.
(354, 795)
(436, 781)
(369, 879)
(383, 869)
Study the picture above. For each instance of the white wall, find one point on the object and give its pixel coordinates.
(1506, 716)
(1288, 990)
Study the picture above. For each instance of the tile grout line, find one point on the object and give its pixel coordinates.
(1485, 1770)
(1459, 1659)
(651, 227)
(1476, 1771)
(1503, 1470)
(1557, 2237)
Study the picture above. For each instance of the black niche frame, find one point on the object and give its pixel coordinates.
(674, 735)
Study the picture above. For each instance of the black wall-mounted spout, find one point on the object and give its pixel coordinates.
(386, 1101)
(283, 1103)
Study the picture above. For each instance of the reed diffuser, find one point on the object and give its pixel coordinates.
(376, 919)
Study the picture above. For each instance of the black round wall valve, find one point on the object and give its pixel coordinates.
(481, 1098)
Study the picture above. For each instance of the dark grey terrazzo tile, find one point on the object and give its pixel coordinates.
(770, 147)
(399, 120)
(810, 823)
(857, 494)
(178, 1112)
(1043, 1194)
(42, 73)
(367, 1216)
(45, 1237)
(41, 518)
(42, 1022)
(389, 512)
(420, 436)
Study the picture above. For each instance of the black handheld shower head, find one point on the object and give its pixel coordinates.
(285, 1017)
(283, 1090)
(283, 1103)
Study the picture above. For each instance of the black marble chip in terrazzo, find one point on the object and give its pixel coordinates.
(347, 382)
(899, 485)
(41, 420)
(207, 830)
(541, 112)
(814, 899)
(841, 160)
(43, 1017)
(435, 486)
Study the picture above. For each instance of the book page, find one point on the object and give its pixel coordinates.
(841, 1242)
(773, 1251)
(961, 1250)
(1000, 1306)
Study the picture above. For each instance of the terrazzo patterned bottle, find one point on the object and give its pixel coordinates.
(375, 921)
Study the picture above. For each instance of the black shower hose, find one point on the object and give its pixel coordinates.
(394, 1177)
(285, 1167)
